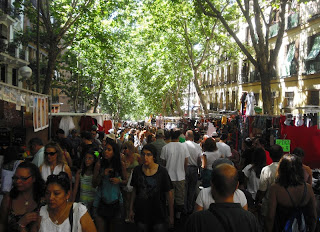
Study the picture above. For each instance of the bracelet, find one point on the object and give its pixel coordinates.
(21, 226)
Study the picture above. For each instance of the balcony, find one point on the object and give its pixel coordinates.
(273, 30)
(312, 67)
(293, 20)
(12, 49)
(8, 10)
(313, 9)
(254, 76)
(244, 77)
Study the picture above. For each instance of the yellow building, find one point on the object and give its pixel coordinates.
(295, 84)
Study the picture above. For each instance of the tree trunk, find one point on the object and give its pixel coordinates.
(199, 91)
(176, 97)
(266, 91)
(98, 97)
(52, 59)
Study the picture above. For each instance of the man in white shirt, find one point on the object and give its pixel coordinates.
(194, 162)
(37, 150)
(205, 197)
(267, 178)
(223, 148)
(175, 158)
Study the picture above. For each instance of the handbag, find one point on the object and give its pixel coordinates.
(108, 210)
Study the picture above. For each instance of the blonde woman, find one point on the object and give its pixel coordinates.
(53, 162)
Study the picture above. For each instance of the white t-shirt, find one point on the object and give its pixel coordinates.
(224, 149)
(253, 181)
(46, 170)
(194, 151)
(205, 198)
(211, 157)
(267, 178)
(47, 224)
(175, 153)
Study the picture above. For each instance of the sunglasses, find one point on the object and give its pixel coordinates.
(60, 176)
(15, 178)
(50, 153)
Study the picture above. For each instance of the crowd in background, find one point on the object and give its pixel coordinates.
(151, 177)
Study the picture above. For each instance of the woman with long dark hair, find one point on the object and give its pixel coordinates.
(19, 208)
(252, 171)
(288, 193)
(83, 181)
(109, 174)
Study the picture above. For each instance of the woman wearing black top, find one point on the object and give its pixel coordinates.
(151, 188)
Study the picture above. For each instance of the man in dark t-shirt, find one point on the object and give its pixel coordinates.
(223, 215)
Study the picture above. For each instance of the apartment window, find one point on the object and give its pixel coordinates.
(312, 60)
(3, 73)
(256, 97)
(3, 31)
(227, 100)
(235, 72)
(229, 74)
(14, 77)
(233, 99)
(290, 66)
(313, 97)
(289, 99)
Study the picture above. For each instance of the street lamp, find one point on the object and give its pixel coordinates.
(25, 71)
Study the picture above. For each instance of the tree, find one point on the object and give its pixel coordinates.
(59, 21)
(258, 15)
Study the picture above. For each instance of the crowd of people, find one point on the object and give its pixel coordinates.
(152, 178)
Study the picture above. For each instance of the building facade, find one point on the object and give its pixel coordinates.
(295, 83)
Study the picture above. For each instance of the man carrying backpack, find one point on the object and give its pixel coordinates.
(223, 215)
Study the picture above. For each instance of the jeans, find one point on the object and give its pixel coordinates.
(191, 184)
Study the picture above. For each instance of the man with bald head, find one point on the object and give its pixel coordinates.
(194, 162)
(224, 214)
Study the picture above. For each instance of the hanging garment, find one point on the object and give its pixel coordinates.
(66, 124)
(107, 125)
(251, 101)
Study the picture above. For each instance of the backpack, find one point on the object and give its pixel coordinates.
(296, 222)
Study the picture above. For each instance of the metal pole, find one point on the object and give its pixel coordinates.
(38, 48)
(189, 99)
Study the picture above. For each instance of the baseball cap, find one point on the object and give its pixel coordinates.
(160, 132)
(111, 136)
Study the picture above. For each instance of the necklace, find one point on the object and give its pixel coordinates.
(26, 199)
(56, 220)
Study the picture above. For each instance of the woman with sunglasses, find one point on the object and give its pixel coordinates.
(53, 162)
(59, 214)
(109, 173)
(19, 208)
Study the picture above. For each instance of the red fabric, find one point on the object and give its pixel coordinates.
(308, 138)
(86, 123)
(107, 125)
(268, 158)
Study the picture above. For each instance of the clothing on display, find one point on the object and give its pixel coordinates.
(66, 124)
(251, 101)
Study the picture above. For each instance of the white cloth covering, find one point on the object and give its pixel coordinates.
(66, 124)
(175, 153)
(47, 224)
(205, 198)
(251, 101)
